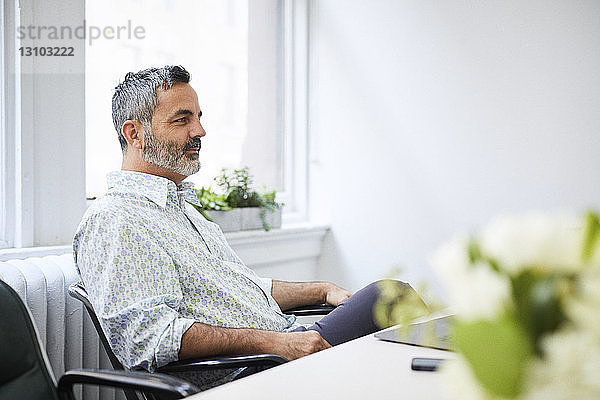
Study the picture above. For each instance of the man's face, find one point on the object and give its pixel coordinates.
(173, 142)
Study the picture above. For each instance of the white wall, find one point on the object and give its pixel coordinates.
(430, 117)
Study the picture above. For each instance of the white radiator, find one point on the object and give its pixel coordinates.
(65, 329)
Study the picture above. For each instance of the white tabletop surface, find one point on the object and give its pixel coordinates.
(365, 368)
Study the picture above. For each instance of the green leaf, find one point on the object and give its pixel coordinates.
(592, 235)
(474, 251)
(397, 304)
(497, 351)
(538, 303)
(476, 255)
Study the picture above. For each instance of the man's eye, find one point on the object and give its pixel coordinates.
(180, 120)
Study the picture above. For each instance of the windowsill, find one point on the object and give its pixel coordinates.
(254, 247)
(291, 243)
(289, 231)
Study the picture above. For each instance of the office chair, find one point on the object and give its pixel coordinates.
(77, 290)
(25, 374)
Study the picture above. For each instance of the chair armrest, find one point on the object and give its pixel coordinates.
(223, 362)
(310, 310)
(166, 386)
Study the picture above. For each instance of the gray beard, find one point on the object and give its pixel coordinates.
(168, 155)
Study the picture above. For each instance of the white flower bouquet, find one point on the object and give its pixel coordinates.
(526, 291)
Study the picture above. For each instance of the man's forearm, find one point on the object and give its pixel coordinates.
(295, 294)
(202, 340)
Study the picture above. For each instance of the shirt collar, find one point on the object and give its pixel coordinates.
(186, 189)
(156, 188)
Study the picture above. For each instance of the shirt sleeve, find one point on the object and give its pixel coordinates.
(266, 284)
(134, 288)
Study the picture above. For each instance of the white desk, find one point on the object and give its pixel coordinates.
(365, 368)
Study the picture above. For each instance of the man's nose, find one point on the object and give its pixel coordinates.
(197, 130)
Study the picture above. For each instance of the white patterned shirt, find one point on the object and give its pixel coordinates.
(153, 265)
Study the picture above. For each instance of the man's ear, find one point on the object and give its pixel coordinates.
(133, 133)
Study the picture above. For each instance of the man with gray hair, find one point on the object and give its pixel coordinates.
(163, 281)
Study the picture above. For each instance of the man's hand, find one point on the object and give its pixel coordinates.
(294, 345)
(336, 295)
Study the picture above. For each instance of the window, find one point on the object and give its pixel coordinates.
(253, 96)
(233, 49)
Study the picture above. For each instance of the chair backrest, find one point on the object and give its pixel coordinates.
(77, 291)
(24, 371)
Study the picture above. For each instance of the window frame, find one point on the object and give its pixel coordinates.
(295, 111)
(3, 228)
(11, 201)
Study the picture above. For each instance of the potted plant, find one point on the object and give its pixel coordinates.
(238, 206)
